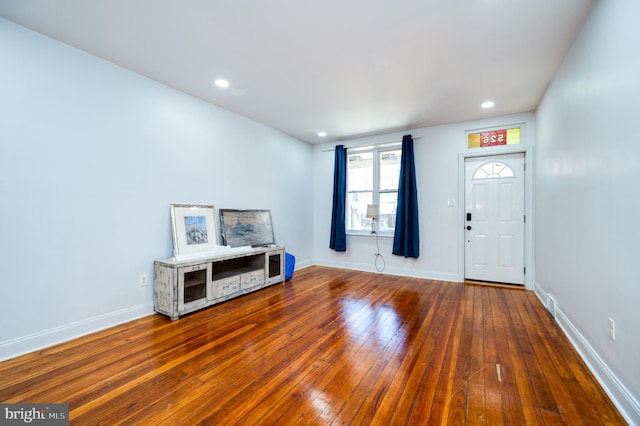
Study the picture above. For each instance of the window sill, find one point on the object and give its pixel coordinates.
(369, 234)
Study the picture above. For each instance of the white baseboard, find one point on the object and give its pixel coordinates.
(33, 342)
(302, 265)
(626, 403)
(370, 267)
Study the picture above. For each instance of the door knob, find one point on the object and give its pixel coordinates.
(468, 228)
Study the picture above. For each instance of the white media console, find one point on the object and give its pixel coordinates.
(184, 286)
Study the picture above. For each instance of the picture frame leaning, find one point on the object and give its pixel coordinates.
(194, 228)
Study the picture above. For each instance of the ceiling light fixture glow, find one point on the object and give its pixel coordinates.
(221, 83)
(322, 134)
(487, 104)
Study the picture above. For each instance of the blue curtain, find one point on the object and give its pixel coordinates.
(406, 239)
(338, 241)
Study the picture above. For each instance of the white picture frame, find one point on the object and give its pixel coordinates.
(194, 228)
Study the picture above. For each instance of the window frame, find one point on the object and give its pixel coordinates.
(376, 152)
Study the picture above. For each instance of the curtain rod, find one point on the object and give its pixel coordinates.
(375, 145)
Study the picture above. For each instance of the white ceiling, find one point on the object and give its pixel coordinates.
(348, 67)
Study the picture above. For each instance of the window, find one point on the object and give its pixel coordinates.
(372, 178)
(493, 170)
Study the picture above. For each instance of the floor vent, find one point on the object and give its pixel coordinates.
(551, 305)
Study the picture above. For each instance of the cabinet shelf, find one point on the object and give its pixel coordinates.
(195, 278)
(194, 293)
(231, 273)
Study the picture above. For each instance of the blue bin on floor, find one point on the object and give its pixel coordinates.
(289, 265)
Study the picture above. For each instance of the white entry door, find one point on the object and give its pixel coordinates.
(494, 218)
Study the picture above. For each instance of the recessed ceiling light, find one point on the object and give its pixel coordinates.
(221, 83)
(322, 134)
(487, 104)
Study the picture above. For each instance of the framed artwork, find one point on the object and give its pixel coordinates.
(246, 227)
(194, 229)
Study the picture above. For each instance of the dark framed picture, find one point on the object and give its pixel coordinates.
(246, 227)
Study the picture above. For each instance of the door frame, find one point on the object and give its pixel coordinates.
(528, 204)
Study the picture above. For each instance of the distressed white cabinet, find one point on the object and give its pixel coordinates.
(181, 287)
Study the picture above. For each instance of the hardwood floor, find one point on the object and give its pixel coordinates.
(330, 347)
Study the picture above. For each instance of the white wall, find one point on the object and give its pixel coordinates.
(91, 157)
(437, 153)
(587, 198)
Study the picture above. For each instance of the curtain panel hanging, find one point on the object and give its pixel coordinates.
(338, 240)
(406, 239)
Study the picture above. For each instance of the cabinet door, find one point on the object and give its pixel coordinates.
(274, 266)
(193, 288)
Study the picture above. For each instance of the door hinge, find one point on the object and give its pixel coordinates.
(525, 270)
(525, 218)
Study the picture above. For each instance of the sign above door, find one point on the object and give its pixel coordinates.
(510, 136)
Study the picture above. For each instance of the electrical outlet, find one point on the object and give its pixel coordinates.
(143, 280)
(612, 329)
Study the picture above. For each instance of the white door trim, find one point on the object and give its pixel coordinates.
(528, 205)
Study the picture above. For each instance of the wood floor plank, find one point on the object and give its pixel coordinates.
(459, 353)
(388, 342)
(523, 383)
(332, 346)
(432, 367)
(494, 405)
(346, 393)
(476, 406)
(512, 403)
(545, 400)
(362, 343)
(398, 369)
(300, 385)
(249, 392)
